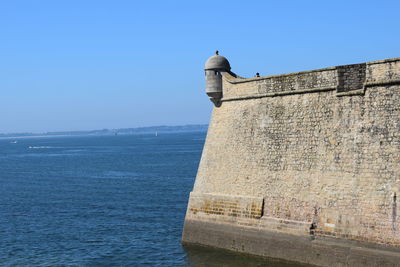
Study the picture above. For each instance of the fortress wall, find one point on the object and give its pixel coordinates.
(313, 154)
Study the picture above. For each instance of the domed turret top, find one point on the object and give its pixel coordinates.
(217, 62)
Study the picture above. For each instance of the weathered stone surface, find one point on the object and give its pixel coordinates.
(308, 156)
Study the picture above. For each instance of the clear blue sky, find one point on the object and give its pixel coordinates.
(80, 65)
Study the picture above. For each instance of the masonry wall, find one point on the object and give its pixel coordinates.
(313, 154)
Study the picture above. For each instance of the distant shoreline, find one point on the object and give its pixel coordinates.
(112, 132)
(32, 136)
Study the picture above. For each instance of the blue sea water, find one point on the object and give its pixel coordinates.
(102, 201)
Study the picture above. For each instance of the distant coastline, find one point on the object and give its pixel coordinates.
(122, 131)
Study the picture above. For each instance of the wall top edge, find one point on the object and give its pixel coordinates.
(235, 79)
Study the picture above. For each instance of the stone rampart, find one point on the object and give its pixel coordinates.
(304, 166)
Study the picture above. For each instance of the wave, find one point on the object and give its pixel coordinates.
(40, 147)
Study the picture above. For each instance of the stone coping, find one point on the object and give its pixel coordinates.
(235, 79)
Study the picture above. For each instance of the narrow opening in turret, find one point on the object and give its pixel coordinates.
(394, 212)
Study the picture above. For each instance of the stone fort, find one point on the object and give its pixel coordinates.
(302, 166)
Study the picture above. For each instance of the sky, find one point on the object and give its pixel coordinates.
(83, 65)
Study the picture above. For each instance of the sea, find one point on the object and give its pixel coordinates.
(103, 201)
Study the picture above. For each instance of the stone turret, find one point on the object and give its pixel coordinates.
(214, 66)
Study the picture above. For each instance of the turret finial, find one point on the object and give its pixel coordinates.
(217, 52)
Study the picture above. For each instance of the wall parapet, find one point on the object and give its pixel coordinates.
(347, 80)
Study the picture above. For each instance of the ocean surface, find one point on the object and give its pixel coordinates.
(102, 201)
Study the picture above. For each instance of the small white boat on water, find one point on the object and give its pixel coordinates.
(13, 142)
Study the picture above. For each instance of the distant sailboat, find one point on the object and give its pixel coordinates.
(156, 133)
